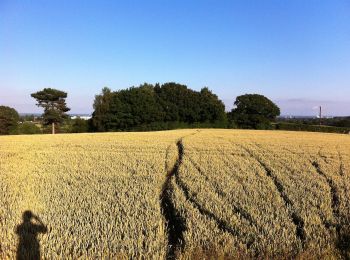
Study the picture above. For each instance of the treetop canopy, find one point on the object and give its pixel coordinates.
(47, 95)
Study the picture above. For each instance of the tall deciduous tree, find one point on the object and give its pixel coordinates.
(212, 108)
(54, 103)
(254, 111)
(101, 116)
(8, 120)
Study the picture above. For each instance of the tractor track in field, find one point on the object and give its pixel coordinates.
(175, 224)
(295, 217)
(221, 224)
(335, 198)
(326, 223)
(342, 242)
(333, 189)
(235, 208)
(342, 238)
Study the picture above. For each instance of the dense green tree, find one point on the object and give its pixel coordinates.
(169, 94)
(148, 107)
(101, 116)
(127, 108)
(54, 103)
(212, 108)
(180, 103)
(141, 105)
(79, 126)
(28, 128)
(25, 118)
(254, 111)
(8, 120)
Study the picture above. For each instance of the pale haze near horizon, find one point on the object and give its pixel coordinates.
(297, 53)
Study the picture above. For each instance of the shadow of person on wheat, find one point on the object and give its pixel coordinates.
(27, 231)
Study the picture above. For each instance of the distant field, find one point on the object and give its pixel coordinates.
(183, 193)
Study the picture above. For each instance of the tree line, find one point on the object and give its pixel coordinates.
(155, 107)
(149, 107)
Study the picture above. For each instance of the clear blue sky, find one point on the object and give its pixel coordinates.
(295, 52)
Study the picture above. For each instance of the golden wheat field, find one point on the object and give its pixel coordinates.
(175, 194)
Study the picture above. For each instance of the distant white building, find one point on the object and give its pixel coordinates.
(81, 117)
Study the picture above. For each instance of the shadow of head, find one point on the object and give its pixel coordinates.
(27, 231)
(27, 215)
